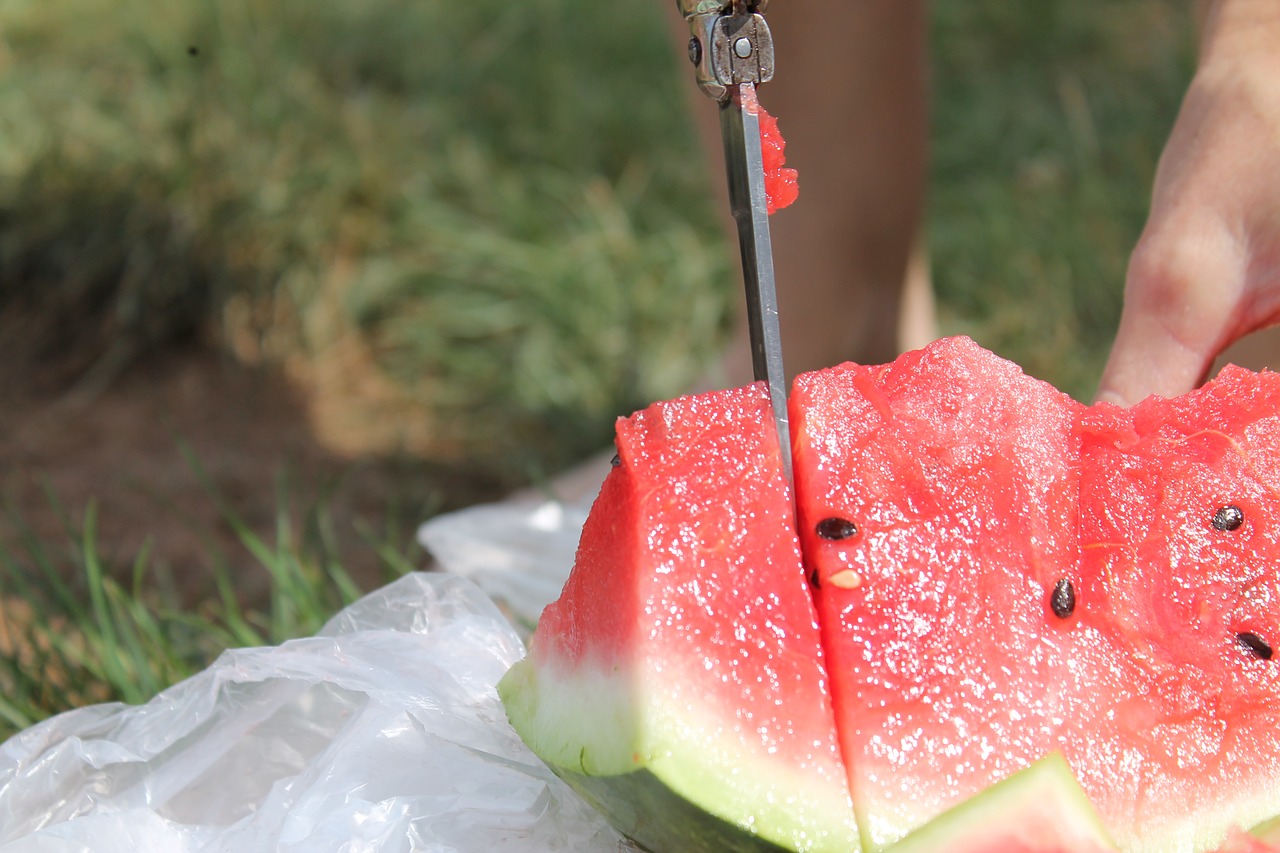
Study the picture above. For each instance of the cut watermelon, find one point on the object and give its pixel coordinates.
(957, 660)
(953, 469)
(1041, 809)
(1185, 582)
(681, 667)
(1000, 575)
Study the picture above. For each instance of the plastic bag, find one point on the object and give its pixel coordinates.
(518, 553)
(382, 733)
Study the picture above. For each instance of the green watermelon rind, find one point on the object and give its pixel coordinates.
(547, 713)
(645, 809)
(1041, 802)
(1267, 830)
(662, 775)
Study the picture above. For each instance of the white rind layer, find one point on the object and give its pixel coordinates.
(598, 720)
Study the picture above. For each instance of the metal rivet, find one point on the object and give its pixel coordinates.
(742, 47)
(695, 50)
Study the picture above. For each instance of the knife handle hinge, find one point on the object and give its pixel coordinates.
(728, 48)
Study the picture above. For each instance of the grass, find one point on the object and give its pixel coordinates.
(473, 221)
(75, 630)
(1049, 120)
(485, 230)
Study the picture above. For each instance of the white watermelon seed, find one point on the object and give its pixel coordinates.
(846, 579)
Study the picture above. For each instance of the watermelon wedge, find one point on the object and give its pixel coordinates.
(678, 682)
(1002, 602)
(1041, 809)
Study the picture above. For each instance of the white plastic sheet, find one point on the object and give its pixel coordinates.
(520, 554)
(382, 733)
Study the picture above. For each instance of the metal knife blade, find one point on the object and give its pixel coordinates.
(740, 127)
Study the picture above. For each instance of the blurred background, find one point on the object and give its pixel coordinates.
(279, 279)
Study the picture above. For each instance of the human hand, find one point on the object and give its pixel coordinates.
(1206, 270)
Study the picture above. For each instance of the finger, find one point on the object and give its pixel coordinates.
(1149, 357)
(1177, 316)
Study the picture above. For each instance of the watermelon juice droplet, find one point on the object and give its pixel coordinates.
(780, 184)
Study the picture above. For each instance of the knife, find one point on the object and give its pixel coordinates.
(731, 49)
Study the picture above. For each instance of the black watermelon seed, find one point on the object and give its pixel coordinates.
(1254, 644)
(813, 579)
(1228, 517)
(1063, 600)
(836, 528)
(616, 460)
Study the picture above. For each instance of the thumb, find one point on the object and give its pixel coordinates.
(1176, 319)
(1150, 356)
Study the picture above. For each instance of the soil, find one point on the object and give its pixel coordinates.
(127, 449)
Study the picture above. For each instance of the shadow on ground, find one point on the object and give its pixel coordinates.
(123, 446)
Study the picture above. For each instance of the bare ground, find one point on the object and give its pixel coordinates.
(121, 448)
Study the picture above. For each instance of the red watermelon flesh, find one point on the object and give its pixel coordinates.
(944, 499)
(683, 655)
(964, 510)
(1000, 574)
(1185, 577)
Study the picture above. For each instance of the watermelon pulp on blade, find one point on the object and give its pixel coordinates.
(681, 665)
(781, 184)
(992, 600)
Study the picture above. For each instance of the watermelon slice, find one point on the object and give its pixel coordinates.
(1000, 575)
(952, 471)
(678, 682)
(1041, 809)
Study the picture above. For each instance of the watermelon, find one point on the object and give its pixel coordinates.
(781, 184)
(681, 668)
(991, 601)
(1041, 809)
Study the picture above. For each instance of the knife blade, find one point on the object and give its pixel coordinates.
(744, 164)
(731, 49)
